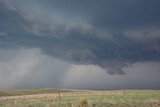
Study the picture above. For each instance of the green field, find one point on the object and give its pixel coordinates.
(79, 98)
(16, 92)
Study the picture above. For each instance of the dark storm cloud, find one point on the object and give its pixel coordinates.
(111, 34)
(113, 13)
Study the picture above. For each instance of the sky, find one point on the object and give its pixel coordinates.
(88, 44)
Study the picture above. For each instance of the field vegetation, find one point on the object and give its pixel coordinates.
(79, 98)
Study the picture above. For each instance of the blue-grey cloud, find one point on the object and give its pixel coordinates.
(111, 34)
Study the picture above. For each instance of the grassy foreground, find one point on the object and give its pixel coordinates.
(79, 98)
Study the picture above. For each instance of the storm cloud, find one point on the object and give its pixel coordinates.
(112, 35)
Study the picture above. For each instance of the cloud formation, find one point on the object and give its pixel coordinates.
(25, 68)
(107, 33)
(29, 68)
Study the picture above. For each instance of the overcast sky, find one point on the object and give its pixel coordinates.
(90, 44)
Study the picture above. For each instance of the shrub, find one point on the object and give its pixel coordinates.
(83, 103)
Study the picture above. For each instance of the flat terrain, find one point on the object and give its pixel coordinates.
(79, 98)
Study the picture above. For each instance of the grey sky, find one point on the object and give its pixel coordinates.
(44, 41)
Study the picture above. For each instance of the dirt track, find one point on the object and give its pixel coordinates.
(55, 95)
(36, 96)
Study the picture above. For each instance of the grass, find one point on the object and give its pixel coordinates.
(131, 98)
(17, 92)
